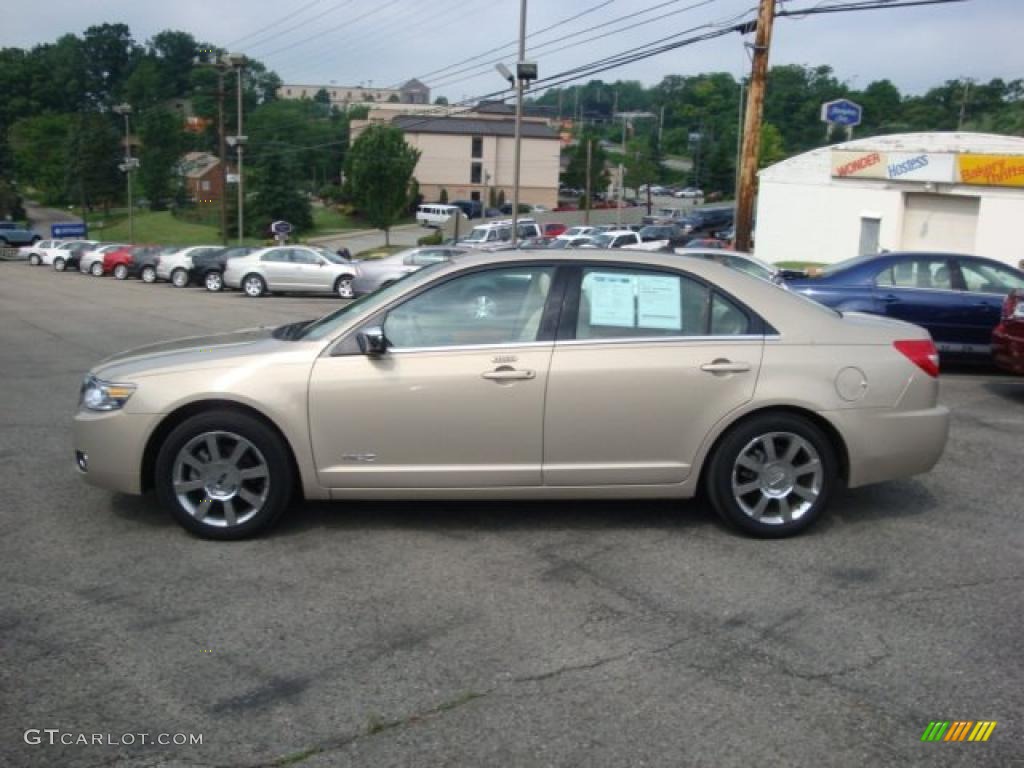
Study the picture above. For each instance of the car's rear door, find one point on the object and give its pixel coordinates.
(278, 269)
(646, 363)
(921, 290)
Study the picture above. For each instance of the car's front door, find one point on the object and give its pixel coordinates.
(308, 271)
(920, 290)
(457, 400)
(986, 288)
(646, 363)
(278, 269)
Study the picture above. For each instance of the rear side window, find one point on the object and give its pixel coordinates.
(931, 274)
(276, 255)
(620, 303)
(989, 278)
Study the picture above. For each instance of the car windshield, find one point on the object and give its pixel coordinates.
(329, 324)
(476, 236)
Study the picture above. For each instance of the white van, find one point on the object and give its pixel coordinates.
(435, 214)
(496, 232)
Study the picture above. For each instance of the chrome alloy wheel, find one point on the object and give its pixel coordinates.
(777, 478)
(214, 282)
(344, 288)
(253, 286)
(221, 479)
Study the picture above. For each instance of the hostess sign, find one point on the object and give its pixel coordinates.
(841, 112)
(894, 166)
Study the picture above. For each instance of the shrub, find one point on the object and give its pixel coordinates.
(435, 238)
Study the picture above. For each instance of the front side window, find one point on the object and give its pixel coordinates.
(989, 278)
(498, 306)
(924, 273)
(622, 304)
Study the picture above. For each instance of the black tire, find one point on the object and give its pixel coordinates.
(34, 260)
(148, 274)
(254, 286)
(179, 278)
(280, 476)
(343, 287)
(96, 270)
(750, 436)
(214, 281)
(59, 264)
(121, 272)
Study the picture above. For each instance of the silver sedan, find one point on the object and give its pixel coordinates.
(291, 269)
(380, 272)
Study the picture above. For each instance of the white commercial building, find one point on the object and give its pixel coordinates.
(940, 192)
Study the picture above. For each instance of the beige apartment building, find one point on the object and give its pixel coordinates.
(469, 156)
(410, 92)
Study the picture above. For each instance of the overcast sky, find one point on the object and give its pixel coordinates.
(387, 41)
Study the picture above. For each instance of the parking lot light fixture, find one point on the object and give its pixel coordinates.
(130, 163)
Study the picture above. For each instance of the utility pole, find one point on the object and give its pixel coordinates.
(586, 200)
(622, 185)
(739, 139)
(661, 124)
(129, 164)
(752, 126)
(519, 122)
(237, 61)
(223, 157)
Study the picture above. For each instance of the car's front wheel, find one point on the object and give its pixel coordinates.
(149, 274)
(254, 286)
(344, 287)
(96, 269)
(772, 475)
(214, 281)
(34, 260)
(224, 475)
(179, 278)
(59, 264)
(121, 272)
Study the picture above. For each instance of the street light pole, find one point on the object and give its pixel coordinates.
(128, 165)
(237, 61)
(519, 121)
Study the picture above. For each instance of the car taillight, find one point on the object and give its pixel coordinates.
(1013, 307)
(922, 353)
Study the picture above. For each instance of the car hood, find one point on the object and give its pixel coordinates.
(193, 353)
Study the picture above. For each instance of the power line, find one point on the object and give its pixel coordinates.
(274, 23)
(329, 30)
(278, 33)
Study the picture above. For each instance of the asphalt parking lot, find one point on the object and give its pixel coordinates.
(480, 634)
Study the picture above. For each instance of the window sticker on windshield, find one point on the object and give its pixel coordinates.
(658, 302)
(611, 299)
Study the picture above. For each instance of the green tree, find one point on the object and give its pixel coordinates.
(441, 101)
(275, 192)
(39, 149)
(93, 147)
(379, 171)
(576, 172)
(162, 145)
(772, 149)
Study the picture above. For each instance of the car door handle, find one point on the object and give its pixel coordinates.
(890, 298)
(725, 366)
(508, 374)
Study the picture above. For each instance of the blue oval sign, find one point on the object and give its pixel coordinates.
(842, 112)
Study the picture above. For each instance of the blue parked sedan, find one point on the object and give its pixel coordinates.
(957, 298)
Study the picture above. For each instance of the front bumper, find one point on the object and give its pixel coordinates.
(1008, 349)
(887, 444)
(113, 444)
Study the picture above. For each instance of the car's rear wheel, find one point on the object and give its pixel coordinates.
(343, 287)
(149, 274)
(121, 272)
(214, 281)
(59, 264)
(772, 475)
(34, 260)
(224, 475)
(179, 278)
(96, 269)
(254, 286)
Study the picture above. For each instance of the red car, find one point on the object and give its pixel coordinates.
(553, 229)
(121, 261)
(1008, 336)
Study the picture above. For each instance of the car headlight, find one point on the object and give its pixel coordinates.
(99, 395)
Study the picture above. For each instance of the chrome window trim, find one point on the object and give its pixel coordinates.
(666, 339)
(469, 347)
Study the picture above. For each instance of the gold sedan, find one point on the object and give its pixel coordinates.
(525, 375)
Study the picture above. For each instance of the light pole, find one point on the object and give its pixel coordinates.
(237, 60)
(130, 163)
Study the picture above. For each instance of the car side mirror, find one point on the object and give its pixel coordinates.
(372, 341)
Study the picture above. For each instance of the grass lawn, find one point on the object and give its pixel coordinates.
(327, 220)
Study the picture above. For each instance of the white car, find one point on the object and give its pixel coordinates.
(61, 254)
(91, 261)
(573, 233)
(497, 232)
(34, 253)
(175, 266)
(690, 193)
(291, 268)
(614, 238)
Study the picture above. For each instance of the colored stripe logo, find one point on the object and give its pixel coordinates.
(958, 730)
